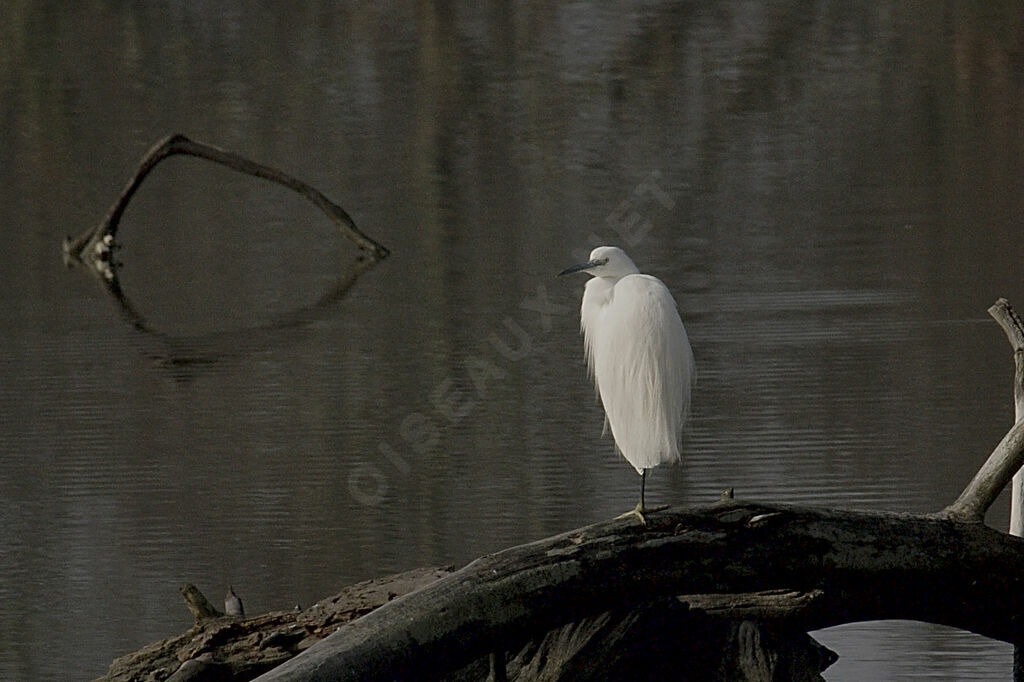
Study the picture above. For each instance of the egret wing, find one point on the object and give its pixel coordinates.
(643, 367)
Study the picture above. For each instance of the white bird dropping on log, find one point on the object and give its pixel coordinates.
(639, 357)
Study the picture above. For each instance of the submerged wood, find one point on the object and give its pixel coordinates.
(181, 356)
(670, 640)
(91, 243)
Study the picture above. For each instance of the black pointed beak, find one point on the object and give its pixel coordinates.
(581, 266)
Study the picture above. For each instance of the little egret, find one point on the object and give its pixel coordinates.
(640, 359)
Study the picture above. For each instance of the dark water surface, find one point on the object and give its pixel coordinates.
(833, 192)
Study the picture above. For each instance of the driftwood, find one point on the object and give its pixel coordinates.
(639, 644)
(753, 576)
(95, 244)
(197, 603)
(181, 356)
(1011, 324)
(848, 566)
(95, 247)
(1014, 328)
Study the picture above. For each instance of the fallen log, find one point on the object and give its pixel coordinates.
(716, 646)
(862, 566)
(946, 568)
(576, 605)
(655, 642)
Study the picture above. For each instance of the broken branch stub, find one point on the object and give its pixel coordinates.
(1003, 313)
(198, 604)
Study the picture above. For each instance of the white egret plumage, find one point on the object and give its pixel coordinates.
(639, 357)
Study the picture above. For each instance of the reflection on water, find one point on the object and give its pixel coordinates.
(831, 192)
(900, 650)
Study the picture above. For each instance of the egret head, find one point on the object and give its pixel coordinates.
(605, 261)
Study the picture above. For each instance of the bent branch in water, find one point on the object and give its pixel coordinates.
(90, 243)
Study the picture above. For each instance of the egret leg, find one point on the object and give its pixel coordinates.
(641, 508)
(643, 484)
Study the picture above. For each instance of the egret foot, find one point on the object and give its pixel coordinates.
(640, 510)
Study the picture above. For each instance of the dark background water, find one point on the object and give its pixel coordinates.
(831, 190)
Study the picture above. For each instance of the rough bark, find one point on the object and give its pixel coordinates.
(234, 648)
(670, 640)
(697, 637)
(198, 604)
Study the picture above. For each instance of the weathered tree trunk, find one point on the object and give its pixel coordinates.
(861, 566)
(663, 640)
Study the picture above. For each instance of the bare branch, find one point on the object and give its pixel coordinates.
(1006, 316)
(990, 480)
(95, 249)
(1006, 460)
(87, 242)
(1003, 313)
